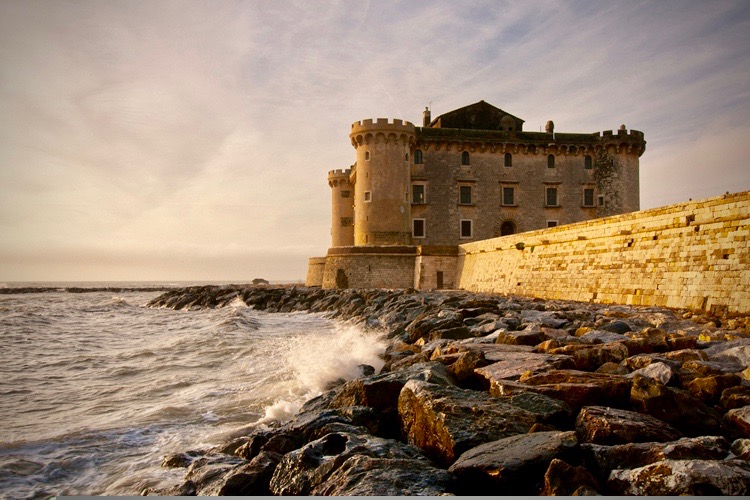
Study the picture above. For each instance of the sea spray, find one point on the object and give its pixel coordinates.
(316, 359)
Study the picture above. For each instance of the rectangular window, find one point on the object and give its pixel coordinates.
(417, 228)
(368, 196)
(509, 196)
(417, 193)
(588, 197)
(587, 163)
(464, 196)
(466, 228)
(346, 194)
(600, 200)
(347, 221)
(551, 198)
(551, 223)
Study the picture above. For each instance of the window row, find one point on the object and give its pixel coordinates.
(508, 194)
(588, 162)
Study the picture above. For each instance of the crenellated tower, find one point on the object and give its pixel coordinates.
(342, 208)
(381, 176)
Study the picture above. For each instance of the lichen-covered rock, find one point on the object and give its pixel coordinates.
(563, 479)
(446, 421)
(683, 477)
(603, 425)
(676, 407)
(302, 470)
(369, 476)
(514, 465)
(603, 459)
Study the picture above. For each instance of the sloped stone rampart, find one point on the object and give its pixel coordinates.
(693, 255)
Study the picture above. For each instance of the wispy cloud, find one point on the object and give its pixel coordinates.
(206, 128)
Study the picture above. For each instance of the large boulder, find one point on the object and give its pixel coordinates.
(511, 466)
(738, 422)
(515, 364)
(302, 470)
(603, 425)
(575, 387)
(446, 421)
(674, 406)
(563, 479)
(603, 459)
(370, 476)
(683, 477)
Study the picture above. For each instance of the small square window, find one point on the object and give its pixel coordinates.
(417, 228)
(509, 196)
(464, 196)
(346, 194)
(347, 221)
(368, 196)
(588, 197)
(551, 223)
(466, 228)
(551, 197)
(417, 193)
(600, 200)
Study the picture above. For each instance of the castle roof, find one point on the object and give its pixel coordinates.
(478, 116)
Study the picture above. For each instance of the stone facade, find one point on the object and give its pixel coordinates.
(693, 255)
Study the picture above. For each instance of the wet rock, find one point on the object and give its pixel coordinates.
(683, 477)
(515, 364)
(603, 459)
(368, 476)
(446, 421)
(563, 479)
(206, 473)
(547, 410)
(603, 425)
(428, 322)
(301, 471)
(709, 389)
(674, 406)
(176, 460)
(741, 448)
(576, 388)
(514, 465)
(738, 422)
(249, 479)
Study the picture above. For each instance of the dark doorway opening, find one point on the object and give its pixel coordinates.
(440, 280)
(508, 227)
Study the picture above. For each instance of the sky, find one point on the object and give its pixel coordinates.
(190, 140)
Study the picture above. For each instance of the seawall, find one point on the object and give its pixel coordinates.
(693, 255)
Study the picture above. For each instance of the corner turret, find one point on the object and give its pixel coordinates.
(342, 208)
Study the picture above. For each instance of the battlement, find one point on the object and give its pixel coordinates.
(383, 125)
(338, 173)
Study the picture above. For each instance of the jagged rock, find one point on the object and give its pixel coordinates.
(604, 459)
(611, 368)
(683, 477)
(176, 460)
(738, 422)
(428, 322)
(676, 407)
(741, 448)
(463, 367)
(542, 318)
(683, 355)
(648, 340)
(576, 388)
(249, 479)
(562, 479)
(735, 352)
(643, 360)
(368, 476)
(529, 336)
(714, 367)
(618, 327)
(514, 465)
(301, 471)
(547, 410)
(602, 425)
(515, 364)
(591, 358)
(657, 371)
(602, 337)
(709, 389)
(680, 340)
(206, 473)
(446, 421)
(453, 333)
(735, 397)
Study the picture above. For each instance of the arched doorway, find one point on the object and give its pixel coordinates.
(508, 227)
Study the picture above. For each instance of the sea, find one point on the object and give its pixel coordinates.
(96, 388)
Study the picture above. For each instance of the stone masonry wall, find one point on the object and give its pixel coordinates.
(693, 255)
(315, 268)
(369, 270)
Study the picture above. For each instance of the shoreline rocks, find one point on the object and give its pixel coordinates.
(483, 394)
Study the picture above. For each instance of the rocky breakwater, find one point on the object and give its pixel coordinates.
(494, 395)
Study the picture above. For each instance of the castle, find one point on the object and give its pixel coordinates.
(415, 194)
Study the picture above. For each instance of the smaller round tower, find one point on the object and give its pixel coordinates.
(382, 209)
(342, 208)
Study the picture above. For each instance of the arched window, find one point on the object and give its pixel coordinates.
(508, 227)
(508, 160)
(587, 162)
(551, 161)
(367, 155)
(465, 158)
(418, 156)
